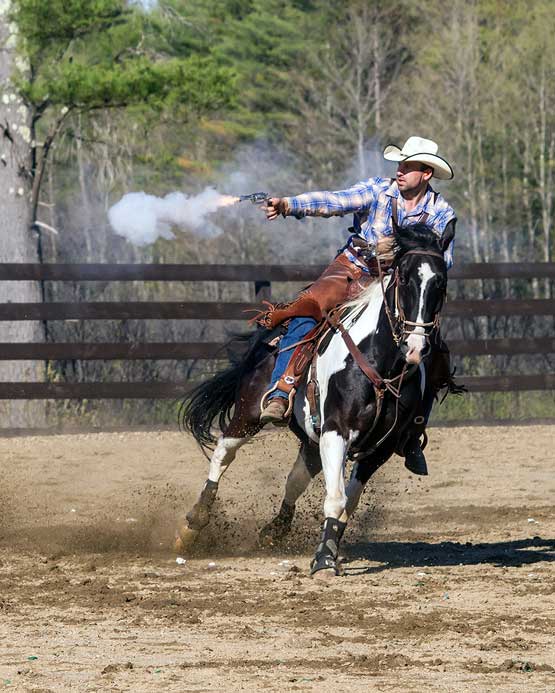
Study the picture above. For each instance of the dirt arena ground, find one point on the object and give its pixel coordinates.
(449, 584)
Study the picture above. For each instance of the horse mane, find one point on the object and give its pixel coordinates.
(372, 292)
(415, 237)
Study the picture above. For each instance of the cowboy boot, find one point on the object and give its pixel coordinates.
(275, 412)
(415, 461)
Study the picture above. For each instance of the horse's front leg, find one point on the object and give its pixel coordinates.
(360, 475)
(355, 487)
(306, 467)
(333, 449)
(198, 517)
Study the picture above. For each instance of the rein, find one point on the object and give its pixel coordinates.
(380, 384)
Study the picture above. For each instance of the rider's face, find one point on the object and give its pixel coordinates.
(412, 175)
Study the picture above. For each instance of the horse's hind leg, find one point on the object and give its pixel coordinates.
(235, 435)
(306, 467)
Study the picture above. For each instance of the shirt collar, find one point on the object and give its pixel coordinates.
(426, 205)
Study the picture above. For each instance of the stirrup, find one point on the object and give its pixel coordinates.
(290, 397)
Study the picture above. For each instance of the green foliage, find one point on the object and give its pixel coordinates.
(195, 82)
(265, 42)
(484, 406)
(45, 27)
(82, 56)
(89, 55)
(184, 27)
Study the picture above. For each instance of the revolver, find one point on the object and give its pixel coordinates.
(254, 197)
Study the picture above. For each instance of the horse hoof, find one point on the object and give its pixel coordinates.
(324, 567)
(324, 574)
(185, 538)
(266, 539)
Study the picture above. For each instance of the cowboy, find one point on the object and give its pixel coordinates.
(379, 205)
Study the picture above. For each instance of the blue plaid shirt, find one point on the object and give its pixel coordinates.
(370, 203)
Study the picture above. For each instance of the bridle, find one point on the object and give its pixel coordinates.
(400, 326)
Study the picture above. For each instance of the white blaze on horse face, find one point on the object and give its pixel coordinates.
(417, 339)
(333, 449)
(223, 456)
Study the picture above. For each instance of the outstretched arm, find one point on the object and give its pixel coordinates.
(324, 203)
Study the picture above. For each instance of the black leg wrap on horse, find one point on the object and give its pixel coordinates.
(326, 553)
(198, 516)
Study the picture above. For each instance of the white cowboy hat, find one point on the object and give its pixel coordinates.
(423, 151)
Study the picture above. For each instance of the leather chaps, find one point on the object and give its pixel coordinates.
(341, 281)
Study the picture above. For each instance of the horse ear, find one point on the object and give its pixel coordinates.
(447, 236)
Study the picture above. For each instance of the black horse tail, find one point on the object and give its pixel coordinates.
(214, 399)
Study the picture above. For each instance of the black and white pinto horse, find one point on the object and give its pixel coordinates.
(392, 323)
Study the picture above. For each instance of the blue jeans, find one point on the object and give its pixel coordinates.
(297, 330)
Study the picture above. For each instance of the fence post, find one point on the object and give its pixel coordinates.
(263, 290)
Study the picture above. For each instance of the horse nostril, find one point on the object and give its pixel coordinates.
(413, 356)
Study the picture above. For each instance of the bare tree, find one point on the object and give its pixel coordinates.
(341, 95)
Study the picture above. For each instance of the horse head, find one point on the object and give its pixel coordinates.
(417, 292)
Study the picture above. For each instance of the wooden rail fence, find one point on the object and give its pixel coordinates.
(262, 276)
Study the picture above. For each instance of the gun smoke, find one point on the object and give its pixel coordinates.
(142, 218)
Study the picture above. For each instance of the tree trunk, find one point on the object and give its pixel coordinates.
(85, 199)
(17, 242)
